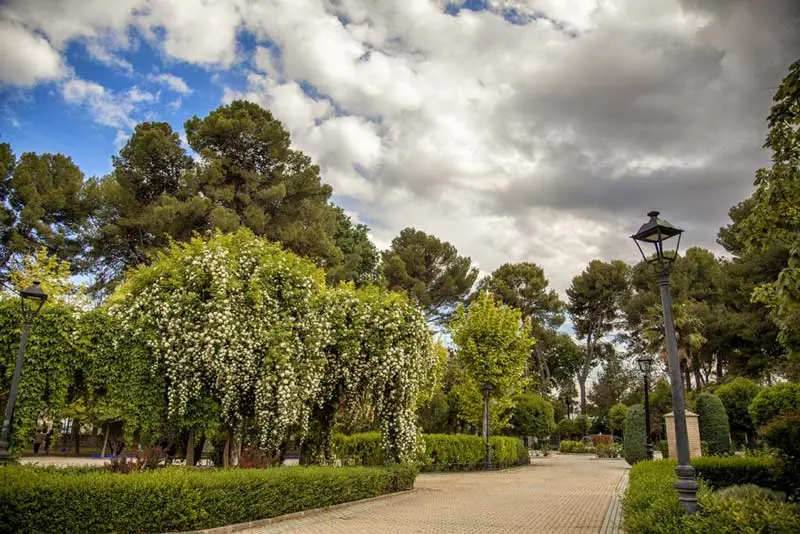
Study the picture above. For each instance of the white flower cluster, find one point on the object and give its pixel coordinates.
(237, 318)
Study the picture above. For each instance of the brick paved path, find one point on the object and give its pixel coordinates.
(564, 494)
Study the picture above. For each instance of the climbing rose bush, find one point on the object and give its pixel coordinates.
(237, 319)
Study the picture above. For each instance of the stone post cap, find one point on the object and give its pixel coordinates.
(688, 414)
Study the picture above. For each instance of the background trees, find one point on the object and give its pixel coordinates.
(430, 271)
(595, 297)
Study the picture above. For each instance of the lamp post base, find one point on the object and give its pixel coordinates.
(687, 488)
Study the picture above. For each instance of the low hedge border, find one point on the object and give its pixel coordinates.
(651, 506)
(37, 500)
(722, 471)
(441, 452)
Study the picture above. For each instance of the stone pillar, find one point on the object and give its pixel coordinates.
(692, 429)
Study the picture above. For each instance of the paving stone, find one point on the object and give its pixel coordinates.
(563, 494)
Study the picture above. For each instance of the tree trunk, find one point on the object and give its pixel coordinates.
(226, 452)
(584, 372)
(76, 434)
(198, 449)
(719, 368)
(190, 449)
(105, 441)
(698, 379)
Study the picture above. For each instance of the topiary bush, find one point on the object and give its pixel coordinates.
(722, 471)
(736, 396)
(634, 447)
(173, 499)
(714, 428)
(663, 446)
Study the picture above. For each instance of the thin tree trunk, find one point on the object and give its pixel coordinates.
(105, 441)
(190, 449)
(584, 373)
(76, 434)
(719, 368)
(698, 379)
(226, 452)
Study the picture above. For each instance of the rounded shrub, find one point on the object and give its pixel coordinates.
(634, 447)
(736, 396)
(774, 401)
(714, 428)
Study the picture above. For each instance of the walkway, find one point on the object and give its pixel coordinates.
(563, 494)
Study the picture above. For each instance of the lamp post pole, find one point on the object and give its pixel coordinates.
(486, 390)
(647, 440)
(35, 294)
(12, 395)
(686, 484)
(656, 232)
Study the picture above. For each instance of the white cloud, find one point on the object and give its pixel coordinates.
(542, 141)
(102, 54)
(107, 108)
(175, 83)
(26, 58)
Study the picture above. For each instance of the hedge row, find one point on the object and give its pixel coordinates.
(722, 471)
(651, 507)
(574, 447)
(442, 452)
(36, 500)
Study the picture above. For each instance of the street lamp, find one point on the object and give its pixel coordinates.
(31, 300)
(487, 389)
(644, 366)
(656, 232)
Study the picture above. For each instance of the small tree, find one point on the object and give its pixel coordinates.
(635, 448)
(714, 428)
(736, 396)
(533, 416)
(493, 346)
(616, 417)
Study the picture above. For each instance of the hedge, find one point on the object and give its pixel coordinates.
(576, 447)
(722, 471)
(773, 401)
(714, 428)
(634, 447)
(441, 452)
(651, 507)
(36, 500)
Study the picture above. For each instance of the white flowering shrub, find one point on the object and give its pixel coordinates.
(253, 327)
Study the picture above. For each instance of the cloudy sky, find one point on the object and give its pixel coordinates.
(518, 130)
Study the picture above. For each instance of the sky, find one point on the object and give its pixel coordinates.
(518, 130)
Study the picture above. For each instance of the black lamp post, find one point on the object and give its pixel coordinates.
(644, 366)
(31, 299)
(487, 389)
(656, 232)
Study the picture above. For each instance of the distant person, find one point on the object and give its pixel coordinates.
(38, 439)
(47, 438)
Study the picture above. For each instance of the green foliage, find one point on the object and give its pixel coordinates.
(722, 471)
(595, 297)
(783, 433)
(746, 491)
(166, 500)
(533, 416)
(51, 361)
(736, 396)
(616, 417)
(713, 421)
(663, 446)
(651, 507)
(608, 450)
(774, 401)
(567, 428)
(582, 424)
(45, 203)
(574, 447)
(429, 270)
(439, 452)
(360, 257)
(634, 447)
(525, 287)
(493, 346)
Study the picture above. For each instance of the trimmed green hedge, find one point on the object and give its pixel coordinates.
(574, 447)
(442, 452)
(722, 471)
(634, 447)
(651, 507)
(714, 428)
(36, 500)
